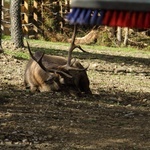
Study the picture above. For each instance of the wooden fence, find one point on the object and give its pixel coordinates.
(27, 17)
(32, 12)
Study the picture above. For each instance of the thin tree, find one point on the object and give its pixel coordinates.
(16, 25)
(1, 49)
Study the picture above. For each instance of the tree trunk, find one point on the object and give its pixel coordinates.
(1, 49)
(16, 25)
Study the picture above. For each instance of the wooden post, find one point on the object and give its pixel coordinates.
(61, 14)
(25, 13)
(67, 3)
(2, 26)
(35, 16)
(5, 26)
(126, 36)
(119, 35)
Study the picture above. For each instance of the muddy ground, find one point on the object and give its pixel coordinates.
(115, 117)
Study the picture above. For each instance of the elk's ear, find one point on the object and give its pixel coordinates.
(38, 54)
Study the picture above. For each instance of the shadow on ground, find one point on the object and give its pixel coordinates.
(58, 121)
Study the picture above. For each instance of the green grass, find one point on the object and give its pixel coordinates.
(60, 48)
(18, 54)
(5, 37)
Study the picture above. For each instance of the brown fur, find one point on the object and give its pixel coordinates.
(38, 79)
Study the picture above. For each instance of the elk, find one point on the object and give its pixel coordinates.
(50, 73)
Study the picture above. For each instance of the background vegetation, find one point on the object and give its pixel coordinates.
(52, 26)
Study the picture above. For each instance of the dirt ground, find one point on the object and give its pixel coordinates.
(115, 117)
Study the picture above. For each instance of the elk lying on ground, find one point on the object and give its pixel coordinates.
(47, 73)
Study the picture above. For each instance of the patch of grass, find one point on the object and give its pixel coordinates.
(115, 49)
(47, 43)
(18, 54)
(61, 49)
(6, 37)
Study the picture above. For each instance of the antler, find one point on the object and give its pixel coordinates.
(73, 46)
(39, 61)
(69, 65)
